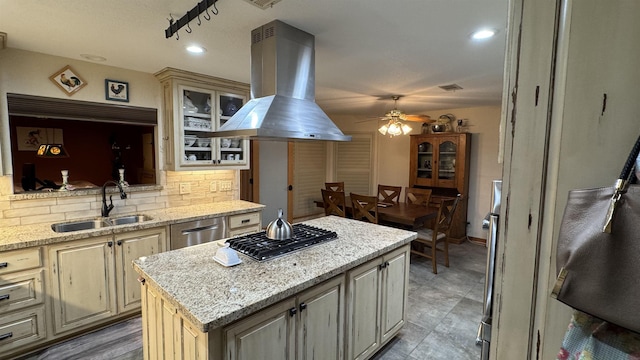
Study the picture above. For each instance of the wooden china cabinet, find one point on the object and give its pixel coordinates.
(441, 162)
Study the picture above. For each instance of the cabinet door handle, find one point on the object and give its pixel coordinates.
(6, 336)
(119, 242)
(4, 297)
(141, 280)
(4, 265)
(290, 187)
(303, 306)
(110, 244)
(292, 311)
(245, 221)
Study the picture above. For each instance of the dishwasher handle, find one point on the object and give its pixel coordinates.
(198, 229)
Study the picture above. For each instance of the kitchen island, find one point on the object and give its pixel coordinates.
(342, 299)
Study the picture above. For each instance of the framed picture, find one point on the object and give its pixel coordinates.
(30, 138)
(116, 90)
(68, 80)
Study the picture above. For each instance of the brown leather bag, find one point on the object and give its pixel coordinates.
(598, 254)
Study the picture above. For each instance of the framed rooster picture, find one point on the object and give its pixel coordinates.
(116, 90)
(68, 80)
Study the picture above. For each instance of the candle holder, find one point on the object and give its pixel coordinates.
(122, 182)
(65, 180)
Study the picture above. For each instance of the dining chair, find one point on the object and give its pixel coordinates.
(334, 202)
(417, 196)
(334, 186)
(389, 194)
(430, 238)
(365, 207)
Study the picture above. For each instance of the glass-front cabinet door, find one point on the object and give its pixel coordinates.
(231, 150)
(203, 111)
(425, 163)
(197, 117)
(447, 153)
(433, 160)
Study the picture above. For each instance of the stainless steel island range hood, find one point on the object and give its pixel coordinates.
(282, 105)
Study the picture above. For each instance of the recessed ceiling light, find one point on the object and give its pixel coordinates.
(195, 49)
(484, 34)
(93, 57)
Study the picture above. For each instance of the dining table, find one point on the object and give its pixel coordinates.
(412, 216)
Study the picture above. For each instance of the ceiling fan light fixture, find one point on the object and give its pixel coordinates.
(394, 129)
(395, 126)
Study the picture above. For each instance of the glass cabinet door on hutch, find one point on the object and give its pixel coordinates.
(425, 163)
(447, 152)
(435, 161)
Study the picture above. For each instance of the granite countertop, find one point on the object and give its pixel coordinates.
(210, 295)
(25, 236)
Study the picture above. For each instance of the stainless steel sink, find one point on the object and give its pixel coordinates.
(130, 219)
(99, 223)
(80, 225)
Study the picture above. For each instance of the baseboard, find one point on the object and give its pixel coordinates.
(474, 240)
(479, 241)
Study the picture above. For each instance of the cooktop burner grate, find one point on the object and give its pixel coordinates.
(259, 247)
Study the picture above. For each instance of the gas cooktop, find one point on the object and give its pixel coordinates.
(259, 247)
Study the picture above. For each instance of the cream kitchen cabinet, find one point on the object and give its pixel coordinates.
(196, 104)
(320, 331)
(22, 308)
(309, 326)
(92, 280)
(269, 334)
(168, 334)
(129, 247)
(246, 223)
(376, 301)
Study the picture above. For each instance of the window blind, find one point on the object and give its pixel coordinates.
(309, 158)
(354, 163)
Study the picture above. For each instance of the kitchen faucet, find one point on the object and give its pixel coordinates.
(106, 209)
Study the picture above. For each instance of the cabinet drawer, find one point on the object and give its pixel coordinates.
(18, 291)
(242, 220)
(21, 328)
(12, 261)
(244, 231)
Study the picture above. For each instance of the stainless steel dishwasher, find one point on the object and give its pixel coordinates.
(198, 232)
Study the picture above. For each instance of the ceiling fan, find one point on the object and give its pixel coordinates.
(395, 118)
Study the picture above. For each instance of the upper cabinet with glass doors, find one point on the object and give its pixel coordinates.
(194, 105)
(440, 160)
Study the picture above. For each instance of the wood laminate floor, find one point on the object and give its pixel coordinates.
(444, 312)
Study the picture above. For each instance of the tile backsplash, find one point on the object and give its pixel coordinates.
(197, 187)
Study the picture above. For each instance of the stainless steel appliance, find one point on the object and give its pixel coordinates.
(197, 232)
(259, 247)
(484, 331)
(282, 104)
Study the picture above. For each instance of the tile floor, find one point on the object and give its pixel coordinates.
(444, 311)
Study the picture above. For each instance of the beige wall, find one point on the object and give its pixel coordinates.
(25, 72)
(392, 154)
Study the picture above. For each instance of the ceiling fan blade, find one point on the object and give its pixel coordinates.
(419, 118)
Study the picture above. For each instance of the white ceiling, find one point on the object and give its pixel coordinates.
(366, 50)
